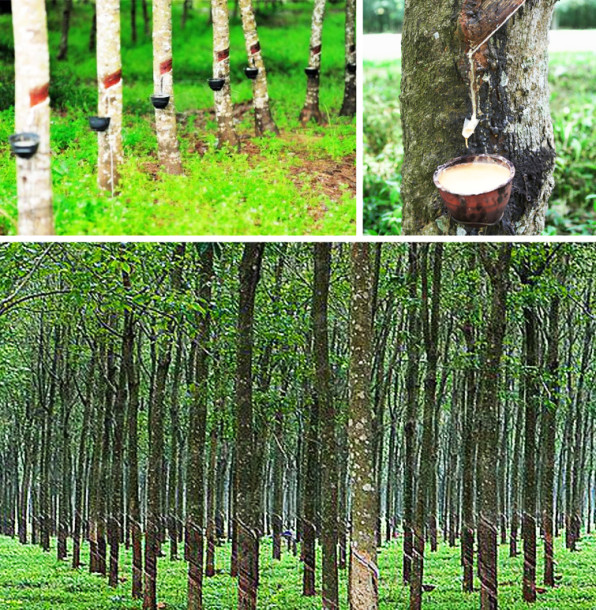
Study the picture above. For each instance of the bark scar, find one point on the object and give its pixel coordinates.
(316, 50)
(222, 55)
(165, 66)
(38, 95)
(255, 48)
(112, 79)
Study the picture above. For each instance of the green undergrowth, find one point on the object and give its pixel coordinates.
(32, 579)
(572, 208)
(272, 186)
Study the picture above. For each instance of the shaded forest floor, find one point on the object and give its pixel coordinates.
(572, 208)
(34, 580)
(301, 183)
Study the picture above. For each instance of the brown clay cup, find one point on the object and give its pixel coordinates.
(482, 209)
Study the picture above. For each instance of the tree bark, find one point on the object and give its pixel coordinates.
(109, 74)
(348, 107)
(310, 110)
(247, 492)
(168, 148)
(364, 574)
(488, 441)
(264, 122)
(513, 101)
(309, 493)
(32, 115)
(224, 110)
(195, 484)
(329, 483)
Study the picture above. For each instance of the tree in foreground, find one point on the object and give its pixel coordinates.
(348, 107)
(32, 107)
(109, 75)
(363, 574)
(513, 106)
(310, 110)
(264, 122)
(224, 110)
(247, 493)
(168, 147)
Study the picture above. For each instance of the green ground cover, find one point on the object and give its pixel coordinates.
(572, 208)
(32, 579)
(300, 183)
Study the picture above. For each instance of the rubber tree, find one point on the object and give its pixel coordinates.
(488, 422)
(32, 109)
(224, 110)
(109, 74)
(514, 115)
(348, 107)
(310, 110)
(264, 122)
(364, 574)
(168, 148)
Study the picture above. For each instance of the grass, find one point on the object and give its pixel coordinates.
(572, 208)
(34, 580)
(274, 186)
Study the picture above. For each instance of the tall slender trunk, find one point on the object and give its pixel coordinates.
(430, 332)
(322, 272)
(364, 574)
(488, 441)
(348, 107)
(549, 428)
(264, 122)
(309, 498)
(63, 50)
(310, 110)
(133, 21)
(195, 509)
(247, 489)
(32, 115)
(109, 75)
(168, 148)
(411, 417)
(529, 485)
(224, 110)
(211, 533)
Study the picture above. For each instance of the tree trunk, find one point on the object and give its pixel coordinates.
(133, 21)
(211, 533)
(513, 102)
(109, 74)
(63, 50)
(348, 107)
(224, 110)
(310, 110)
(430, 328)
(411, 416)
(247, 491)
(168, 148)
(488, 441)
(322, 272)
(263, 120)
(549, 428)
(309, 494)
(195, 484)
(364, 574)
(32, 115)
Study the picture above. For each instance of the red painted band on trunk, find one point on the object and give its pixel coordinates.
(221, 55)
(112, 79)
(316, 50)
(255, 48)
(39, 95)
(165, 66)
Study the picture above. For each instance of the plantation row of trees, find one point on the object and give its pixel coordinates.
(331, 396)
(32, 67)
